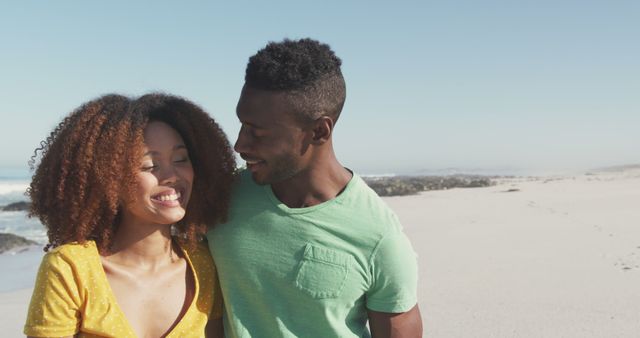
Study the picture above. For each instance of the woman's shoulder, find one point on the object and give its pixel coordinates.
(196, 251)
(71, 254)
(74, 248)
(199, 255)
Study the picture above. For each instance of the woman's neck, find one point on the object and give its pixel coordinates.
(143, 246)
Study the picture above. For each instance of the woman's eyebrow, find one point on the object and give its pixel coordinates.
(176, 147)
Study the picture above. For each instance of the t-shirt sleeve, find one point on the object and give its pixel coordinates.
(54, 310)
(394, 273)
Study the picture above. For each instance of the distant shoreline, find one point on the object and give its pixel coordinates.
(411, 185)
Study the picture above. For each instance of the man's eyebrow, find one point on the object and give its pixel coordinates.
(252, 125)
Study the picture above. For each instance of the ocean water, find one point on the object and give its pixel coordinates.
(21, 265)
(16, 222)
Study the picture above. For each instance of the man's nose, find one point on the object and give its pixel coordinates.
(242, 142)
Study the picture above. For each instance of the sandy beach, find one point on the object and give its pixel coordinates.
(555, 257)
(528, 257)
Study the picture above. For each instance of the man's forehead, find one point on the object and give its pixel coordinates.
(272, 96)
(263, 104)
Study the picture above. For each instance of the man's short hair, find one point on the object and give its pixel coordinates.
(307, 71)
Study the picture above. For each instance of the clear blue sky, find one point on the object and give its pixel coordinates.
(469, 84)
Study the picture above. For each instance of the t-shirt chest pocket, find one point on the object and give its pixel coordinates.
(323, 272)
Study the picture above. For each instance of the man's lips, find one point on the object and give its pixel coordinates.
(252, 162)
(253, 166)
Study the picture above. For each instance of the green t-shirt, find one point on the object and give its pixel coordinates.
(311, 272)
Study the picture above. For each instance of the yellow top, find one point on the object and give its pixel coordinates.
(72, 296)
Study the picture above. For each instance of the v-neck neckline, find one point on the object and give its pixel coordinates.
(116, 305)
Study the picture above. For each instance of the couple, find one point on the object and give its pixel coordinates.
(129, 188)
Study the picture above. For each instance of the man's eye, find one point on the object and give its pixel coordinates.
(182, 160)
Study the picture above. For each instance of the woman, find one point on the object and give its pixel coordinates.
(126, 189)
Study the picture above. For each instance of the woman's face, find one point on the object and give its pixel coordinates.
(165, 178)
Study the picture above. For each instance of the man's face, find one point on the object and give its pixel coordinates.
(271, 140)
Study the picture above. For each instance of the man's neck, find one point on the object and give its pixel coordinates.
(313, 186)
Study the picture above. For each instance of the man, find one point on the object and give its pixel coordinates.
(309, 250)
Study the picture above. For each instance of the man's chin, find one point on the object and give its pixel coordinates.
(270, 177)
(258, 179)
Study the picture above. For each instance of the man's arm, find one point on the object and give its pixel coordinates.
(396, 325)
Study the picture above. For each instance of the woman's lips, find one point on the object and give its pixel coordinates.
(168, 199)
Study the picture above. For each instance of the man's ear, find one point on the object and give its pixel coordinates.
(322, 129)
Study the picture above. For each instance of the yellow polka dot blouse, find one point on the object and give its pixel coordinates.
(72, 296)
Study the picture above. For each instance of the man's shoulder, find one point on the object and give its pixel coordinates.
(247, 193)
(244, 179)
(366, 203)
(245, 185)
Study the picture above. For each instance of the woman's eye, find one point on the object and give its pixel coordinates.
(148, 168)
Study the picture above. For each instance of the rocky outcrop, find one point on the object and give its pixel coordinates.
(410, 185)
(17, 206)
(11, 241)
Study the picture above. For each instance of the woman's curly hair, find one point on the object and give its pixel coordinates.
(90, 160)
